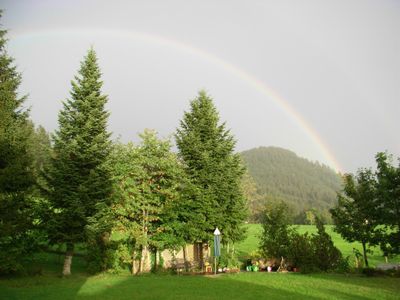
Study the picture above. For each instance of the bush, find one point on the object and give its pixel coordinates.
(326, 255)
(275, 239)
(104, 256)
(370, 272)
(228, 260)
(343, 265)
(300, 252)
(393, 273)
(308, 253)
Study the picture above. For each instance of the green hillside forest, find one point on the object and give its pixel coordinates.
(281, 175)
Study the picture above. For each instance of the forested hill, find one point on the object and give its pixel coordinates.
(281, 174)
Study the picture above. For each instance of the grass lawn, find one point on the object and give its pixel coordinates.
(235, 286)
(245, 285)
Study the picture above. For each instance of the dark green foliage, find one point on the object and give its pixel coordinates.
(275, 239)
(281, 240)
(368, 210)
(280, 175)
(301, 252)
(388, 202)
(326, 255)
(354, 214)
(15, 130)
(41, 150)
(255, 201)
(162, 180)
(16, 168)
(79, 178)
(150, 187)
(371, 272)
(228, 259)
(207, 150)
(374, 272)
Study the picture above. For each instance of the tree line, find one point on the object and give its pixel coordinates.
(118, 201)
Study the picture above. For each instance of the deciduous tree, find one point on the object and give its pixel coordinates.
(354, 214)
(388, 202)
(150, 185)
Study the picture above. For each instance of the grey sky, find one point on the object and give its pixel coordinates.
(336, 63)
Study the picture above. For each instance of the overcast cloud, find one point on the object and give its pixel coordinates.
(336, 63)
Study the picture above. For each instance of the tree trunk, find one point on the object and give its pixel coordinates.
(202, 255)
(68, 260)
(365, 254)
(145, 260)
(155, 260)
(134, 263)
(184, 250)
(141, 261)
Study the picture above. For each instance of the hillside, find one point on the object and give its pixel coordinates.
(280, 174)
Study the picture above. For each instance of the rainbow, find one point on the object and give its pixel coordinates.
(177, 45)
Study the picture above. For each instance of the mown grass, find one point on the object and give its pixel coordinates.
(245, 285)
(237, 286)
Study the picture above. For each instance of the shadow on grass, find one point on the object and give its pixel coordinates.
(49, 284)
(186, 287)
(236, 286)
(240, 286)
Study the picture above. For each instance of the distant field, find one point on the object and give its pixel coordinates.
(250, 244)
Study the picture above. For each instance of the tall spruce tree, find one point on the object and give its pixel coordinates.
(207, 149)
(16, 164)
(79, 178)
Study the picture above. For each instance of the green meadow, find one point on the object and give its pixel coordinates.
(375, 256)
(245, 285)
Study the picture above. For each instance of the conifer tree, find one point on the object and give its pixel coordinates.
(16, 176)
(207, 149)
(79, 178)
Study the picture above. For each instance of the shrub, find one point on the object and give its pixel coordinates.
(103, 256)
(344, 265)
(228, 260)
(308, 253)
(326, 255)
(275, 239)
(393, 273)
(370, 272)
(301, 252)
